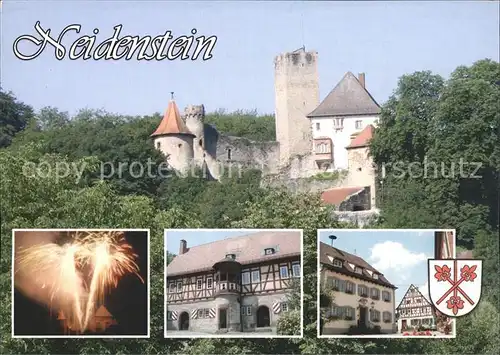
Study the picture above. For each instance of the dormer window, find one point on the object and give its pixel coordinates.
(358, 270)
(269, 251)
(230, 256)
(337, 263)
(375, 276)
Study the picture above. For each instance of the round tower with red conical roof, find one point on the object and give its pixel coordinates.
(174, 139)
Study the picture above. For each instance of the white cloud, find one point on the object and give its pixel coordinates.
(424, 290)
(391, 255)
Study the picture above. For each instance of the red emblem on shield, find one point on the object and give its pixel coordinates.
(455, 285)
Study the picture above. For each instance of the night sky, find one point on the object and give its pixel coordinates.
(128, 303)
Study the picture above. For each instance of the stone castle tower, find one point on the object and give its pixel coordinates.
(175, 140)
(194, 118)
(297, 94)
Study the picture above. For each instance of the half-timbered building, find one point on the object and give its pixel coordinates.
(415, 311)
(359, 296)
(233, 285)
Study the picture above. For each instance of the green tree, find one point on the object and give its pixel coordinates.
(400, 145)
(247, 124)
(486, 247)
(326, 300)
(466, 136)
(425, 119)
(122, 145)
(290, 322)
(14, 117)
(170, 257)
(403, 134)
(51, 118)
(476, 334)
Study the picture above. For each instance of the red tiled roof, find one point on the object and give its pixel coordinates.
(248, 249)
(363, 138)
(336, 196)
(172, 122)
(326, 250)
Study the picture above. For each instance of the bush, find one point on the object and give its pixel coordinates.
(289, 323)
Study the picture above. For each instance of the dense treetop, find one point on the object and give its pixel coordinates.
(428, 119)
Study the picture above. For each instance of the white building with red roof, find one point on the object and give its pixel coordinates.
(355, 295)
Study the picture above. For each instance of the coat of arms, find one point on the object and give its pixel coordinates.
(455, 285)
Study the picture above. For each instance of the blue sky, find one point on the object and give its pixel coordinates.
(400, 255)
(195, 237)
(383, 39)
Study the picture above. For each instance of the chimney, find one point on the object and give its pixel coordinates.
(183, 247)
(361, 78)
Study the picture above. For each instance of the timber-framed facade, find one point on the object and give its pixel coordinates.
(415, 311)
(233, 285)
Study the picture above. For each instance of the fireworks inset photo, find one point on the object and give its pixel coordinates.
(74, 283)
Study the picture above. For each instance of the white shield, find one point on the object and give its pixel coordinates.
(455, 285)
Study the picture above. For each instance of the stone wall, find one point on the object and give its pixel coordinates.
(235, 153)
(235, 318)
(256, 301)
(362, 171)
(178, 149)
(300, 185)
(358, 218)
(241, 151)
(357, 202)
(298, 177)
